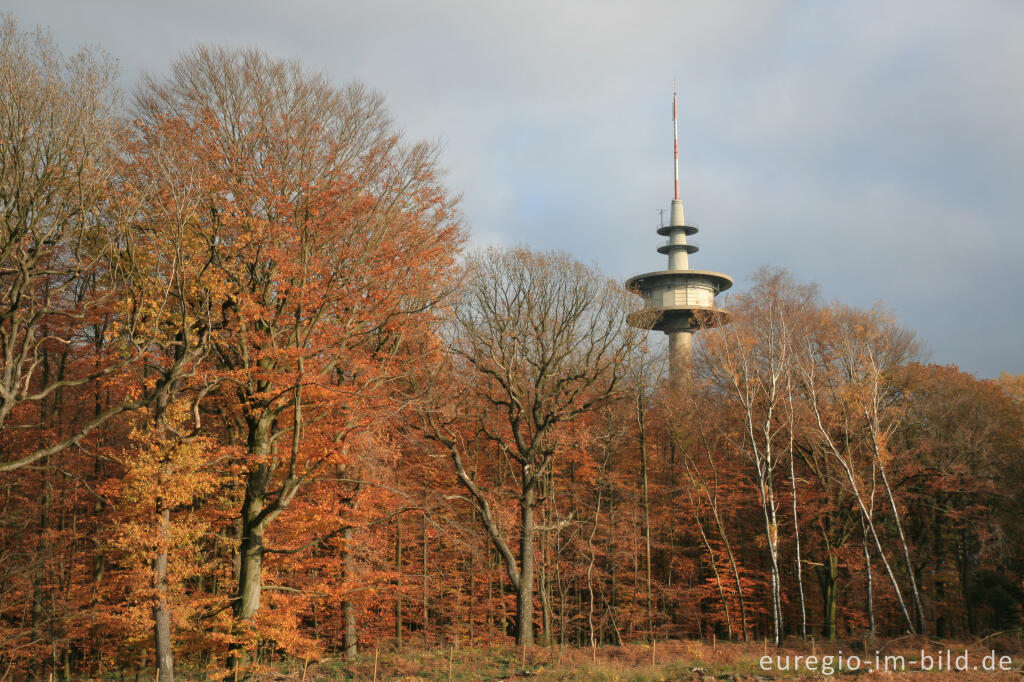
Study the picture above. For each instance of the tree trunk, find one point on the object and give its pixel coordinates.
(426, 595)
(796, 529)
(590, 572)
(772, 536)
(257, 482)
(398, 591)
(870, 582)
(562, 591)
(543, 588)
(161, 609)
(247, 601)
(922, 625)
(524, 595)
(645, 496)
(829, 574)
(965, 582)
(348, 609)
(470, 620)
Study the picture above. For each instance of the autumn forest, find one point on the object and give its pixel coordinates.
(260, 403)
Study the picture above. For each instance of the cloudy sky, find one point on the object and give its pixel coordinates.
(875, 148)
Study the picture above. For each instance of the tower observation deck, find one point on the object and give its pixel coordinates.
(678, 301)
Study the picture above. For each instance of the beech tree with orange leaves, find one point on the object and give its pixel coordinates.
(326, 237)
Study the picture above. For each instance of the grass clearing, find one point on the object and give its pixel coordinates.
(672, 660)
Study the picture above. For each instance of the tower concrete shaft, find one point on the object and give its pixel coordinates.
(678, 301)
(680, 353)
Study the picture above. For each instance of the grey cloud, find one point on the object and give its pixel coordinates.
(874, 147)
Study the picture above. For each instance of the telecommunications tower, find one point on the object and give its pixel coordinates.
(678, 301)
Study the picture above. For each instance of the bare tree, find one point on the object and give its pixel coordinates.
(57, 117)
(873, 349)
(840, 388)
(541, 339)
(749, 362)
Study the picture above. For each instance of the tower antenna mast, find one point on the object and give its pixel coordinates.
(675, 137)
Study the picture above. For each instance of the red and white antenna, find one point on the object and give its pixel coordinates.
(675, 136)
